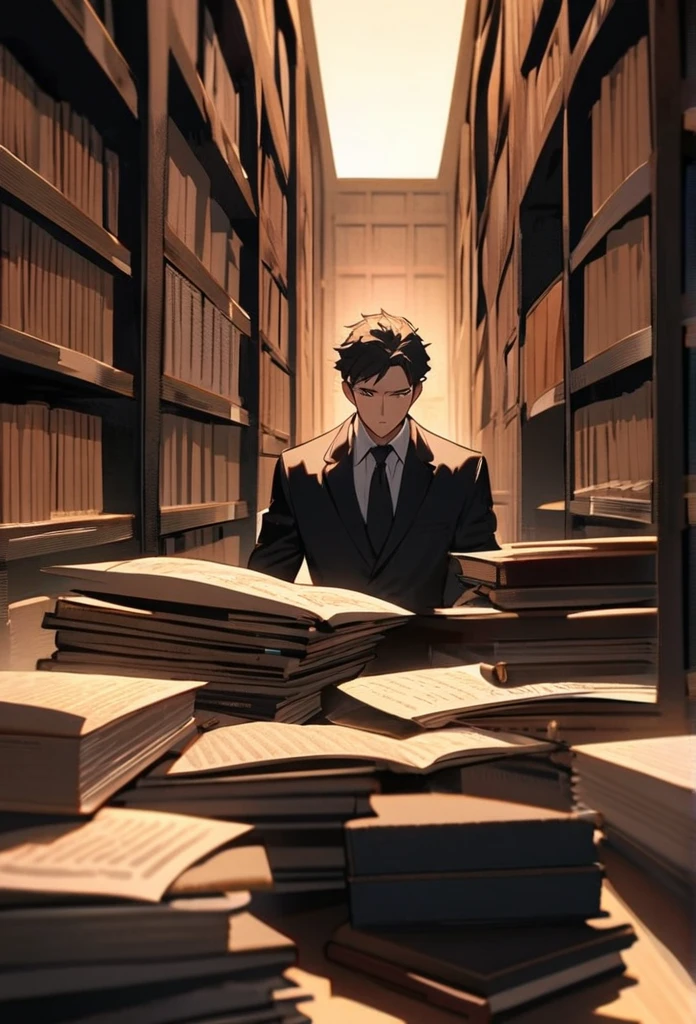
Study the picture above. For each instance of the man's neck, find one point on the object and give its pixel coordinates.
(387, 438)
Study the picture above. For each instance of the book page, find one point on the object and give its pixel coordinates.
(193, 581)
(119, 853)
(418, 694)
(76, 703)
(670, 758)
(266, 742)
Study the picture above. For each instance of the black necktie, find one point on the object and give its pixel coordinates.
(380, 511)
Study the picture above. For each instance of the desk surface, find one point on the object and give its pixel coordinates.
(656, 988)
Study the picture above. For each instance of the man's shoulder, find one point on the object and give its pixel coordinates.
(310, 453)
(446, 452)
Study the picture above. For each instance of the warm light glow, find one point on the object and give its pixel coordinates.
(387, 70)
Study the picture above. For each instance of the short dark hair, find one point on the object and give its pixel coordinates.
(378, 342)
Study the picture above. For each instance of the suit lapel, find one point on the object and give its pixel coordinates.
(338, 476)
(415, 481)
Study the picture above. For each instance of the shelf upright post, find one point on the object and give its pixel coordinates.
(668, 355)
(155, 148)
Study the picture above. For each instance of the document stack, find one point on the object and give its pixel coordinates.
(109, 914)
(298, 785)
(603, 572)
(430, 876)
(265, 647)
(404, 703)
(644, 791)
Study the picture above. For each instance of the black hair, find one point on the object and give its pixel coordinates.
(378, 342)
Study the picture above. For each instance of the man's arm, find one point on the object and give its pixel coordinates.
(279, 550)
(475, 530)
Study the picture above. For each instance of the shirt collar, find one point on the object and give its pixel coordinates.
(362, 442)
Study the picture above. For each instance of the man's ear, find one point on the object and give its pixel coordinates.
(417, 388)
(348, 392)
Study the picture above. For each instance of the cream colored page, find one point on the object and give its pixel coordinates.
(75, 703)
(122, 853)
(670, 758)
(411, 695)
(258, 742)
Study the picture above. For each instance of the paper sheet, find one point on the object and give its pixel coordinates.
(229, 586)
(670, 758)
(132, 854)
(263, 742)
(75, 703)
(435, 691)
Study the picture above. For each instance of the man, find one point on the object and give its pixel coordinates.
(377, 504)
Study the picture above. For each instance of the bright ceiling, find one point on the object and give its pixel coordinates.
(387, 70)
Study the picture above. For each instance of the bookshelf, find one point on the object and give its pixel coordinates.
(157, 395)
(575, 277)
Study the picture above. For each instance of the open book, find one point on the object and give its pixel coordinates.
(433, 697)
(264, 743)
(189, 581)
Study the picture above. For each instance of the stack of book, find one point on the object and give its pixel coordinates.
(95, 922)
(644, 789)
(431, 876)
(265, 647)
(57, 143)
(199, 462)
(602, 572)
(70, 300)
(296, 811)
(406, 703)
(298, 785)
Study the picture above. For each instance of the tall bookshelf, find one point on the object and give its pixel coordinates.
(175, 380)
(573, 164)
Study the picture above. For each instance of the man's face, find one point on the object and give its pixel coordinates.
(382, 404)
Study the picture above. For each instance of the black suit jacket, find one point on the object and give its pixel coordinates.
(444, 505)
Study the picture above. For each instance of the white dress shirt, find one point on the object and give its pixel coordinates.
(364, 463)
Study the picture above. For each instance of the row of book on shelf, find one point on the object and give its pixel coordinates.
(541, 87)
(543, 344)
(274, 312)
(196, 218)
(58, 143)
(199, 462)
(210, 542)
(254, 804)
(621, 123)
(201, 345)
(52, 292)
(617, 288)
(613, 445)
(51, 463)
(274, 405)
(274, 205)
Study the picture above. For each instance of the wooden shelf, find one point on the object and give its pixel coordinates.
(625, 198)
(269, 253)
(592, 26)
(44, 198)
(275, 353)
(64, 533)
(637, 510)
(185, 261)
(180, 392)
(276, 124)
(27, 350)
(627, 352)
(208, 115)
(551, 398)
(178, 518)
(82, 17)
(541, 33)
(554, 109)
(272, 444)
(552, 506)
